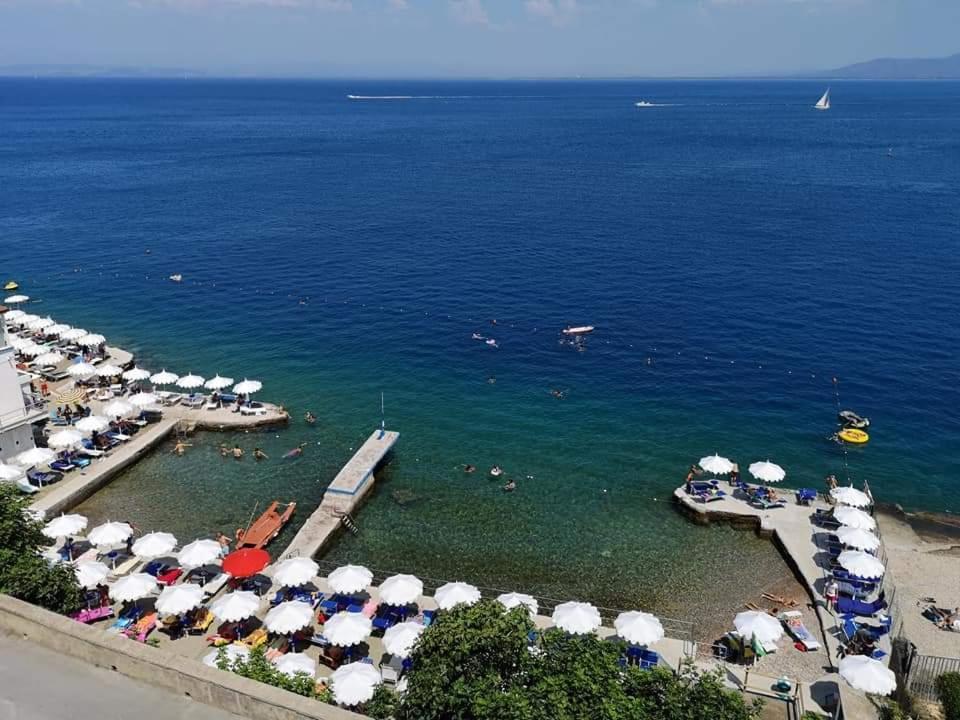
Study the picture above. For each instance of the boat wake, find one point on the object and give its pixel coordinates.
(645, 104)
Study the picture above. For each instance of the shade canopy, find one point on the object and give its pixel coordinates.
(578, 618)
(177, 599)
(349, 579)
(42, 323)
(861, 564)
(136, 373)
(164, 378)
(154, 545)
(759, 625)
(20, 343)
(288, 617)
(716, 464)
(456, 593)
(852, 517)
(245, 562)
(188, 382)
(15, 299)
(91, 340)
(92, 424)
(91, 573)
(119, 408)
(27, 319)
(767, 472)
(400, 589)
(354, 683)
(58, 329)
(143, 400)
(868, 675)
(35, 456)
(199, 552)
(218, 383)
(295, 571)
(65, 526)
(247, 386)
(639, 628)
(110, 533)
(347, 628)
(293, 664)
(9, 472)
(133, 587)
(34, 350)
(81, 370)
(513, 599)
(63, 439)
(13, 315)
(49, 358)
(400, 639)
(74, 334)
(851, 496)
(858, 538)
(231, 653)
(236, 606)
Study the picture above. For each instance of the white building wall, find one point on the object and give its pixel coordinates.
(16, 432)
(14, 441)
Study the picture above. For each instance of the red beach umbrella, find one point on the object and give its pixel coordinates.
(246, 562)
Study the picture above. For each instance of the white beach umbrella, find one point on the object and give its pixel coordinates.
(232, 653)
(236, 606)
(767, 472)
(578, 618)
(164, 378)
(34, 350)
(293, 664)
(92, 424)
(13, 315)
(349, 579)
(861, 564)
(852, 517)
(58, 329)
(49, 358)
(74, 334)
(868, 675)
(400, 589)
(247, 386)
(65, 526)
(119, 408)
(199, 552)
(42, 323)
(288, 617)
(35, 456)
(512, 600)
(295, 571)
(851, 496)
(858, 538)
(20, 343)
(400, 639)
(177, 599)
(91, 340)
(63, 439)
(188, 382)
(756, 624)
(91, 573)
(16, 299)
(110, 533)
(109, 371)
(25, 320)
(133, 587)
(218, 383)
(456, 593)
(8, 472)
(136, 373)
(154, 544)
(347, 628)
(354, 683)
(143, 400)
(716, 464)
(639, 628)
(81, 370)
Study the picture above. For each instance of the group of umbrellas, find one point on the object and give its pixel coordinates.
(764, 470)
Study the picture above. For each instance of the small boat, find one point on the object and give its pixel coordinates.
(266, 527)
(478, 336)
(848, 418)
(579, 330)
(492, 343)
(853, 436)
(176, 278)
(496, 471)
(824, 102)
(12, 285)
(644, 104)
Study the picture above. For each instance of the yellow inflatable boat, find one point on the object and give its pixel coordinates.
(11, 286)
(853, 436)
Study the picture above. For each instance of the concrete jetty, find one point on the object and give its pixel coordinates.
(343, 495)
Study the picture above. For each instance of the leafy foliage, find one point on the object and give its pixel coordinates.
(948, 688)
(475, 663)
(383, 704)
(257, 667)
(24, 573)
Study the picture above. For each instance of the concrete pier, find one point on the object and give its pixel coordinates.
(343, 495)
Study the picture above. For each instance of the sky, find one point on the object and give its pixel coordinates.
(475, 38)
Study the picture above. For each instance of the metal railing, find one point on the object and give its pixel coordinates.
(923, 671)
(31, 405)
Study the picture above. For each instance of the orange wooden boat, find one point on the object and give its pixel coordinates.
(266, 527)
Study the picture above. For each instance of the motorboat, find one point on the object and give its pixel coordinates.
(11, 285)
(266, 527)
(853, 436)
(579, 330)
(176, 278)
(848, 418)
(644, 104)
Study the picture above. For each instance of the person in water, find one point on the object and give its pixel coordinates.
(510, 486)
(223, 450)
(237, 452)
(181, 447)
(310, 417)
(496, 471)
(224, 544)
(469, 468)
(297, 451)
(259, 454)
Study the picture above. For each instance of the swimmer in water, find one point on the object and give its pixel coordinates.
(558, 394)
(297, 451)
(223, 451)
(510, 486)
(237, 452)
(181, 447)
(469, 468)
(310, 417)
(259, 454)
(492, 380)
(496, 471)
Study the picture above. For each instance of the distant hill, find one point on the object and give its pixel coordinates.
(946, 68)
(92, 71)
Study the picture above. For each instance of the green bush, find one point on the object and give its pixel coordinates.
(948, 688)
(257, 667)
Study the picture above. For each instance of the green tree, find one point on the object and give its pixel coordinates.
(24, 573)
(257, 667)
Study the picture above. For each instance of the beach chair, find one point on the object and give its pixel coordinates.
(805, 496)
(429, 616)
(793, 621)
(169, 577)
(253, 408)
(255, 639)
(391, 668)
(648, 659)
(62, 466)
(279, 597)
(202, 620)
(212, 587)
(142, 628)
(194, 400)
(852, 606)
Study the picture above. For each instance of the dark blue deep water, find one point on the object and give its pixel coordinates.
(735, 249)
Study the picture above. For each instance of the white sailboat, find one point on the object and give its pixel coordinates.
(824, 102)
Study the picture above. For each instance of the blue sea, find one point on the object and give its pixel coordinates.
(735, 249)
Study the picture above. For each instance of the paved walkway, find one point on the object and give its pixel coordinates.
(39, 684)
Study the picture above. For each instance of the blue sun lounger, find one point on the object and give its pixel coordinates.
(851, 606)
